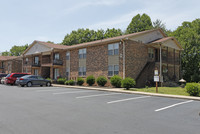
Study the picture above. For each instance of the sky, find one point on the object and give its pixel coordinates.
(23, 21)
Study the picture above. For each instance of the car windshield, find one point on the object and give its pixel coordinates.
(8, 75)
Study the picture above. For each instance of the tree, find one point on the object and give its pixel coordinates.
(112, 33)
(188, 36)
(159, 24)
(6, 53)
(18, 50)
(139, 23)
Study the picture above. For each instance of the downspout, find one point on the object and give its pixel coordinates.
(22, 63)
(124, 65)
(161, 64)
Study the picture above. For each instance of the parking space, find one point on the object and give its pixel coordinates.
(70, 110)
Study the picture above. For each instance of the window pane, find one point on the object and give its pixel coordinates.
(110, 52)
(84, 56)
(116, 68)
(84, 51)
(116, 46)
(116, 72)
(110, 68)
(80, 51)
(110, 47)
(110, 73)
(80, 56)
(116, 51)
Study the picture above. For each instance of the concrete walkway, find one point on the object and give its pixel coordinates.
(120, 90)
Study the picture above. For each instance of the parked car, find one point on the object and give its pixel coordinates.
(3, 80)
(30, 80)
(1, 76)
(11, 78)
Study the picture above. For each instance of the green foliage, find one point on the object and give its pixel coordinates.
(188, 35)
(15, 50)
(87, 35)
(101, 81)
(6, 53)
(139, 23)
(49, 79)
(116, 81)
(193, 89)
(128, 83)
(71, 82)
(61, 80)
(90, 80)
(67, 82)
(80, 81)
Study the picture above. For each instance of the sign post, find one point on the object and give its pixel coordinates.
(156, 79)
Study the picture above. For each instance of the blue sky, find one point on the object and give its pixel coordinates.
(23, 21)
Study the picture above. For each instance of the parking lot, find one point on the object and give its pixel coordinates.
(55, 110)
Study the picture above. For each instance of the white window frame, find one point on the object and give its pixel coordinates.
(113, 49)
(56, 73)
(82, 71)
(56, 56)
(82, 53)
(36, 71)
(113, 70)
(151, 53)
(36, 59)
(67, 55)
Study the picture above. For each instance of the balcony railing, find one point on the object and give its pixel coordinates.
(57, 62)
(36, 64)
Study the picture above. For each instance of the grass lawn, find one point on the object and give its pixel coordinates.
(164, 90)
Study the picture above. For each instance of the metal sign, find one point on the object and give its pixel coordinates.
(156, 78)
(156, 72)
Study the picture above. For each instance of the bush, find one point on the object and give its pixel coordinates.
(90, 80)
(193, 89)
(128, 83)
(101, 80)
(116, 81)
(61, 80)
(80, 81)
(49, 79)
(66, 82)
(71, 82)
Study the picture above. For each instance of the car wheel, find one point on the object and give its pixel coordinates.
(22, 85)
(48, 84)
(29, 84)
(41, 85)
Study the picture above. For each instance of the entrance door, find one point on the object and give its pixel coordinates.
(156, 55)
(56, 73)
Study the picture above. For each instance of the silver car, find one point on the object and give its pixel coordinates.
(30, 80)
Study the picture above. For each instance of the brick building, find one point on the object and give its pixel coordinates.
(10, 64)
(134, 55)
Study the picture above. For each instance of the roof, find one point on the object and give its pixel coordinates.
(4, 58)
(160, 41)
(118, 38)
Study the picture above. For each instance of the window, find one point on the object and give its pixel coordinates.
(67, 72)
(36, 60)
(151, 52)
(82, 53)
(67, 55)
(35, 71)
(56, 73)
(113, 70)
(56, 56)
(82, 71)
(113, 49)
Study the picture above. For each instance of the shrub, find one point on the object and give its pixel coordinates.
(71, 82)
(90, 80)
(101, 80)
(61, 80)
(66, 82)
(128, 83)
(49, 79)
(80, 81)
(116, 81)
(193, 89)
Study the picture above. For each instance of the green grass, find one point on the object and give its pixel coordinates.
(164, 90)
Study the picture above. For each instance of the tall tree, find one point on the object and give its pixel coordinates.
(139, 23)
(189, 37)
(112, 33)
(18, 50)
(159, 24)
(6, 53)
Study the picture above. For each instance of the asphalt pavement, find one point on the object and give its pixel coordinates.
(57, 110)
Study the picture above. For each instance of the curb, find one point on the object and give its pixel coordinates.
(130, 92)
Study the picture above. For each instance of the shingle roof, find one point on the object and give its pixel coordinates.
(57, 46)
(3, 58)
(163, 40)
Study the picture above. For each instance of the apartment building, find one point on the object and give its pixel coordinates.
(10, 64)
(134, 55)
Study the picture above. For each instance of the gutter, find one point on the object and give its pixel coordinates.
(124, 65)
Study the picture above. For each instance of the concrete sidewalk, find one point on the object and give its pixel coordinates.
(120, 90)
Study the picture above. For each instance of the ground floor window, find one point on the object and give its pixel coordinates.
(67, 72)
(35, 71)
(113, 70)
(82, 71)
(56, 73)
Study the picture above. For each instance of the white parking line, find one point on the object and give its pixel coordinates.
(173, 105)
(135, 98)
(50, 90)
(69, 92)
(96, 95)
(38, 88)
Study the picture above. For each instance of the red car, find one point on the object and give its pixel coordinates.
(11, 78)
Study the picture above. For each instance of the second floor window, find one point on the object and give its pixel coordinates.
(56, 56)
(151, 52)
(82, 53)
(67, 55)
(36, 60)
(113, 49)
